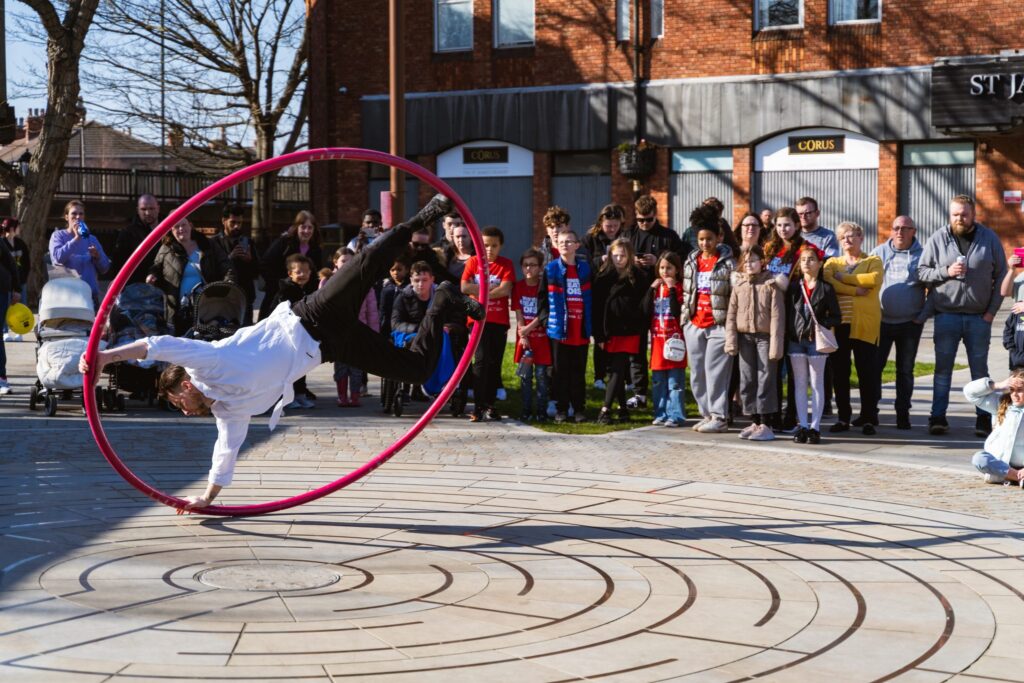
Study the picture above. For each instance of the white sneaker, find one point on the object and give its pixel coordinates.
(747, 431)
(762, 433)
(599, 384)
(501, 395)
(673, 423)
(8, 337)
(294, 405)
(637, 401)
(659, 421)
(700, 423)
(306, 402)
(5, 388)
(993, 478)
(716, 425)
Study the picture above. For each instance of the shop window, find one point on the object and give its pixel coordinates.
(939, 154)
(453, 25)
(583, 163)
(514, 23)
(779, 13)
(702, 161)
(849, 11)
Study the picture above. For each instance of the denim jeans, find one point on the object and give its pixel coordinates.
(986, 463)
(976, 334)
(905, 337)
(538, 378)
(667, 388)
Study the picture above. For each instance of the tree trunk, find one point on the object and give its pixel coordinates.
(33, 197)
(263, 231)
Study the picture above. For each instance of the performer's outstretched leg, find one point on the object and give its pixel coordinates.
(367, 350)
(337, 303)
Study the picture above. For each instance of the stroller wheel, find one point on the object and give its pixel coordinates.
(398, 407)
(51, 405)
(33, 398)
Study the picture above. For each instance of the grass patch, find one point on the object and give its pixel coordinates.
(513, 406)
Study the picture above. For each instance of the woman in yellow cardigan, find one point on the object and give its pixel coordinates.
(857, 279)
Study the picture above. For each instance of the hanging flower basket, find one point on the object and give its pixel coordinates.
(637, 162)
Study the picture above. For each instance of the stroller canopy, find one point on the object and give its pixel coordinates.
(66, 298)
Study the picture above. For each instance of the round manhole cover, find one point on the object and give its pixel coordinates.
(269, 577)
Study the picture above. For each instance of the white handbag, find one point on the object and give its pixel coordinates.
(824, 340)
(674, 349)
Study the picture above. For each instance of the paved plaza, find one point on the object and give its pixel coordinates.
(499, 552)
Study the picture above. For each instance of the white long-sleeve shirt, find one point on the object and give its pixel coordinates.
(245, 374)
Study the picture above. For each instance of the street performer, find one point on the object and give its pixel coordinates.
(244, 375)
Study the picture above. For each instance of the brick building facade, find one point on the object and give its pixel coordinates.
(725, 99)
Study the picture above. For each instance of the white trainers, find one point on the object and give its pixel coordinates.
(637, 401)
(700, 423)
(5, 387)
(294, 405)
(993, 478)
(762, 433)
(747, 431)
(716, 425)
(11, 337)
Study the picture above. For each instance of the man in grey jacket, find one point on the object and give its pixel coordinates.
(904, 310)
(963, 265)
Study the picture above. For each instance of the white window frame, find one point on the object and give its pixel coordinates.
(657, 19)
(623, 20)
(757, 18)
(437, 26)
(497, 28)
(851, 22)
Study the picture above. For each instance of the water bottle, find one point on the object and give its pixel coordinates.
(962, 260)
(525, 369)
(83, 230)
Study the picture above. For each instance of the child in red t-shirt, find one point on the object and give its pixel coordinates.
(664, 303)
(501, 276)
(533, 348)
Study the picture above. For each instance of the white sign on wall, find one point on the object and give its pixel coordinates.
(472, 160)
(778, 154)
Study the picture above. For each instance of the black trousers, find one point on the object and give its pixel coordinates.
(331, 316)
(487, 365)
(600, 363)
(865, 357)
(905, 337)
(615, 389)
(638, 368)
(570, 382)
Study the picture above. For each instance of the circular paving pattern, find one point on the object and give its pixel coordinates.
(453, 573)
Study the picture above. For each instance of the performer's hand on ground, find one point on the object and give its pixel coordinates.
(194, 503)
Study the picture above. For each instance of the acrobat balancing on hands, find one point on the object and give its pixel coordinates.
(245, 374)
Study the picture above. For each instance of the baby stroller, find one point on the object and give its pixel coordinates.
(62, 332)
(137, 313)
(218, 311)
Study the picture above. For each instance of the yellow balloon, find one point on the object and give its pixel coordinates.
(20, 319)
